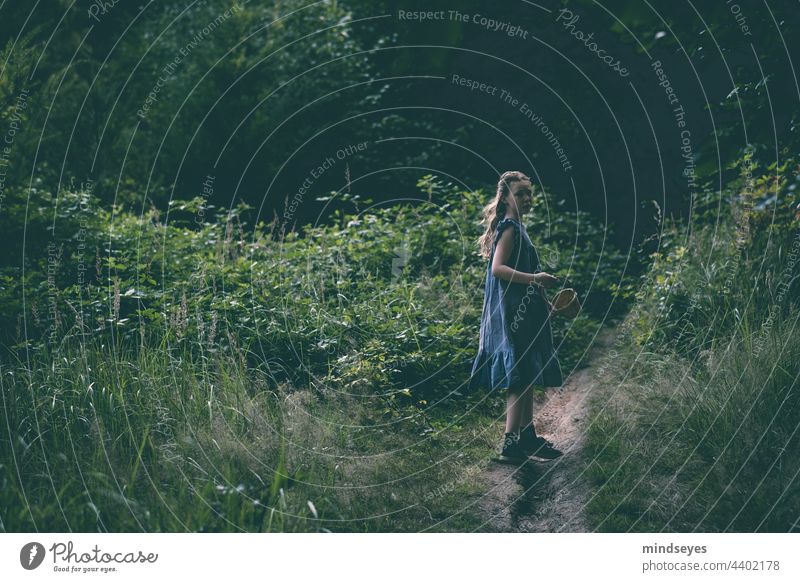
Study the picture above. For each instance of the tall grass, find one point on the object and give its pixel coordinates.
(102, 438)
(718, 450)
(697, 426)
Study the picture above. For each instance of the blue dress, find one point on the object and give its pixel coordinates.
(516, 341)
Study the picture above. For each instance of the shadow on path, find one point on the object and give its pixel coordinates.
(549, 496)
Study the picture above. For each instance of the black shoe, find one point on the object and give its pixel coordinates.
(511, 451)
(527, 439)
(543, 449)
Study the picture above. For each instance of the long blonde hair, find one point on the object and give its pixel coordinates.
(496, 210)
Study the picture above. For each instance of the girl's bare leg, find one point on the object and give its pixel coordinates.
(514, 410)
(526, 404)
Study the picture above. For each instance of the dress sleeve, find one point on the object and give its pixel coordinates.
(515, 260)
(504, 224)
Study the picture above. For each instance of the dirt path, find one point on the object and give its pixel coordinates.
(549, 496)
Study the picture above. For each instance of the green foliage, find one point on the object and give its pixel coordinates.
(186, 86)
(700, 431)
(388, 299)
(183, 337)
(728, 269)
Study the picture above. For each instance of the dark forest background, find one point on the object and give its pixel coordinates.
(276, 88)
(240, 288)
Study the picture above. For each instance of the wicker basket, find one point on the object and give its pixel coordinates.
(566, 303)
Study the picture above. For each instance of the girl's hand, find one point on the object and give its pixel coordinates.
(546, 280)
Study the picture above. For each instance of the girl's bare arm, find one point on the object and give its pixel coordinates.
(502, 271)
(501, 254)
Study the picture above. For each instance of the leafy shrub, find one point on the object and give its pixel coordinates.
(388, 300)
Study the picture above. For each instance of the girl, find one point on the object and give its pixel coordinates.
(516, 344)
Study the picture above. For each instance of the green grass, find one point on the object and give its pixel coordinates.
(695, 425)
(111, 439)
(714, 451)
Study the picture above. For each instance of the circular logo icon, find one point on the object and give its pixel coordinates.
(31, 555)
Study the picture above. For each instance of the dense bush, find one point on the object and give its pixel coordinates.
(728, 267)
(388, 298)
